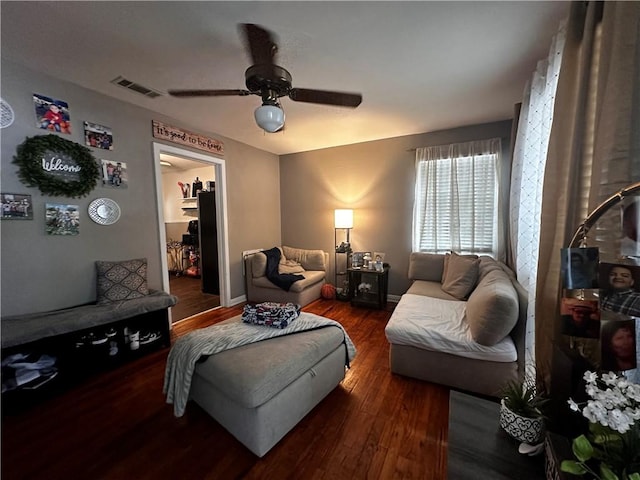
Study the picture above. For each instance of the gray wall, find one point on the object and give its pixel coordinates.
(376, 179)
(41, 272)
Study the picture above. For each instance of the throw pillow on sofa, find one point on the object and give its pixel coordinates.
(460, 274)
(122, 280)
(290, 266)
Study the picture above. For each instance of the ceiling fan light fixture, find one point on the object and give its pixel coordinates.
(269, 117)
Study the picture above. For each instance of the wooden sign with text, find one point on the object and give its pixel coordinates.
(183, 137)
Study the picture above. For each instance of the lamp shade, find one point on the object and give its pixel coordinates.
(343, 218)
(269, 117)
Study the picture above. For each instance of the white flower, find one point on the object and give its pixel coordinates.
(616, 407)
(573, 405)
(590, 377)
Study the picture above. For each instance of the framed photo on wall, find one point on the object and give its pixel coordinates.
(114, 174)
(98, 136)
(16, 206)
(62, 219)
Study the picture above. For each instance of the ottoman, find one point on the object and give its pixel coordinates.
(259, 392)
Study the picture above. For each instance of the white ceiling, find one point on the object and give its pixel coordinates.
(420, 66)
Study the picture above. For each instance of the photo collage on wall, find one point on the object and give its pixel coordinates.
(601, 301)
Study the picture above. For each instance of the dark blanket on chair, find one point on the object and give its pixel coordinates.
(282, 280)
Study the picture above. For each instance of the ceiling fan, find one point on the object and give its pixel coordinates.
(270, 81)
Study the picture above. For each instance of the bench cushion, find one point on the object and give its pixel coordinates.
(252, 374)
(20, 329)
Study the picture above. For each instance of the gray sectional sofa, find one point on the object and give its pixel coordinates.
(311, 264)
(460, 324)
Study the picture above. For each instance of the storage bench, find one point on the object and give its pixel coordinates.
(86, 338)
(260, 391)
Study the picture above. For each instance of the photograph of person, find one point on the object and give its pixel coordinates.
(114, 174)
(98, 136)
(629, 245)
(579, 267)
(580, 318)
(619, 285)
(618, 343)
(52, 114)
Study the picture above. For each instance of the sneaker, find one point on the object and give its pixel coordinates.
(96, 340)
(149, 337)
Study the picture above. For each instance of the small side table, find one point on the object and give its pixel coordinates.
(368, 287)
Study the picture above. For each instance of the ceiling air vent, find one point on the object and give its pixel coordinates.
(136, 87)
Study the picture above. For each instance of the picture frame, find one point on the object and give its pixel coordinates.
(114, 174)
(16, 206)
(62, 219)
(52, 114)
(98, 136)
(378, 254)
(356, 259)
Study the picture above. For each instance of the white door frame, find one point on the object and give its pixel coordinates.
(221, 217)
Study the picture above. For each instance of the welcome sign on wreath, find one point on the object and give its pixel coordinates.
(58, 167)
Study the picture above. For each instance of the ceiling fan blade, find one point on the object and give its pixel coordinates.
(342, 99)
(261, 44)
(208, 93)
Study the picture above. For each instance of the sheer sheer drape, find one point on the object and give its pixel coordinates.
(457, 198)
(527, 174)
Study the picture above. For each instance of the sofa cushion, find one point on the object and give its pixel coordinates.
(429, 289)
(290, 266)
(460, 275)
(492, 308)
(310, 278)
(123, 280)
(426, 266)
(309, 259)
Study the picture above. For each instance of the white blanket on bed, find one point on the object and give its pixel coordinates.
(188, 349)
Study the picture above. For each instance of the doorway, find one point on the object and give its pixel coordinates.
(177, 210)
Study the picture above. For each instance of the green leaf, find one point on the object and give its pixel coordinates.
(634, 476)
(571, 466)
(606, 473)
(582, 448)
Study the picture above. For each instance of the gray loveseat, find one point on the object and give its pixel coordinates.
(481, 345)
(311, 264)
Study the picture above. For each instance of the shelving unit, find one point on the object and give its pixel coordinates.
(190, 203)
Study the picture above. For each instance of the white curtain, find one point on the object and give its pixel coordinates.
(527, 175)
(457, 198)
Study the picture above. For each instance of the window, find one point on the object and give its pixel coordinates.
(456, 198)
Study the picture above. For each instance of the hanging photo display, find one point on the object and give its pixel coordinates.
(580, 318)
(58, 167)
(52, 114)
(114, 174)
(98, 136)
(629, 245)
(62, 219)
(618, 345)
(620, 288)
(579, 267)
(16, 206)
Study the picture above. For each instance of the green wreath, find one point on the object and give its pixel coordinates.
(31, 158)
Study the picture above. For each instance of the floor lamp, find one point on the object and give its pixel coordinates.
(343, 221)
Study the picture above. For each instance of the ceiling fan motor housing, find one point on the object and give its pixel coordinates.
(268, 80)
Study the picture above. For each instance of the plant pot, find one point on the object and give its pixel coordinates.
(523, 429)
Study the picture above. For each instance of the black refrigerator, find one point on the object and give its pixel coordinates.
(208, 232)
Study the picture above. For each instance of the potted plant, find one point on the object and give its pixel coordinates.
(611, 448)
(522, 410)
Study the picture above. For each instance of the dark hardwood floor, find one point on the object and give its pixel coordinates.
(191, 299)
(116, 425)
